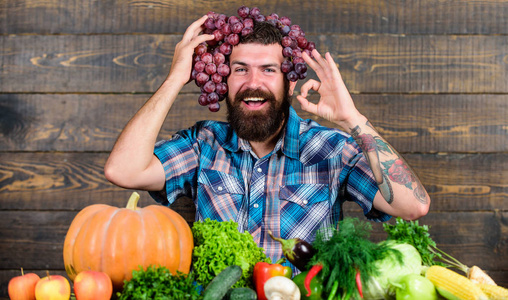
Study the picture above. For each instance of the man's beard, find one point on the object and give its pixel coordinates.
(257, 126)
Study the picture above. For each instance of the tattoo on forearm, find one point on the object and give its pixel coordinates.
(386, 172)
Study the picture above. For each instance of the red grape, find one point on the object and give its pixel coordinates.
(223, 70)
(286, 66)
(287, 52)
(199, 66)
(233, 20)
(202, 78)
(233, 39)
(219, 23)
(213, 98)
(243, 11)
(211, 68)
(285, 30)
(219, 58)
(225, 48)
(298, 59)
(254, 12)
(210, 23)
(209, 87)
(203, 99)
(200, 49)
(294, 33)
(285, 21)
(296, 27)
(300, 68)
(207, 58)
(216, 78)
(221, 88)
(287, 41)
(248, 23)
(292, 76)
(247, 31)
(237, 27)
(273, 16)
(219, 36)
(311, 46)
(226, 29)
(214, 107)
(302, 42)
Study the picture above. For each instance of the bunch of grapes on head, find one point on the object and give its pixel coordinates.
(211, 59)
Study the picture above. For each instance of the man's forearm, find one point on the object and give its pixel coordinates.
(390, 170)
(133, 150)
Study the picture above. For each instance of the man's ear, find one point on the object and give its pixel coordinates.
(292, 85)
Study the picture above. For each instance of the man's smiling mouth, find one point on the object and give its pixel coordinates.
(254, 101)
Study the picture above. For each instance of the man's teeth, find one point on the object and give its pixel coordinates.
(254, 99)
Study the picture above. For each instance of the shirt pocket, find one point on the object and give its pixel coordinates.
(220, 195)
(304, 195)
(304, 209)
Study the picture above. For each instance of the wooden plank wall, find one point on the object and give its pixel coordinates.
(431, 75)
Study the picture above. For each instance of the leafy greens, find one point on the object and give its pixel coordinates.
(346, 251)
(218, 245)
(159, 284)
(412, 233)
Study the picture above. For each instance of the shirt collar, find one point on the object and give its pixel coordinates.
(290, 143)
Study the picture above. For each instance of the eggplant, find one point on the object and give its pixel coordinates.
(296, 250)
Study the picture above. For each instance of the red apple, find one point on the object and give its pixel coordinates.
(23, 287)
(54, 287)
(93, 285)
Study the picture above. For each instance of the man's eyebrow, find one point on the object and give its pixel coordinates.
(241, 63)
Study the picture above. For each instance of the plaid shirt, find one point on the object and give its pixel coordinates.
(293, 191)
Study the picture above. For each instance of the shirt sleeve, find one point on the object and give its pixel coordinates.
(179, 157)
(361, 186)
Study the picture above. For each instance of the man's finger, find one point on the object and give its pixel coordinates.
(194, 29)
(306, 105)
(310, 84)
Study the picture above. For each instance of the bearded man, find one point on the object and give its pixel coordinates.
(266, 168)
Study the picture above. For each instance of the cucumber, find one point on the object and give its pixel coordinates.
(219, 286)
(242, 293)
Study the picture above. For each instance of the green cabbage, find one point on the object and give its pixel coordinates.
(391, 271)
(218, 245)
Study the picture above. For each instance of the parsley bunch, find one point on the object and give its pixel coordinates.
(346, 251)
(412, 233)
(159, 284)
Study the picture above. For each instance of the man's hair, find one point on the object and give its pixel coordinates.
(263, 33)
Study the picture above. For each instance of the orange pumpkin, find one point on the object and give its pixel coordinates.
(117, 241)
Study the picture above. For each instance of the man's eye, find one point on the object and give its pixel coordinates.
(270, 70)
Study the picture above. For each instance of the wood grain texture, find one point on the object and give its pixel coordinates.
(368, 63)
(328, 16)
(73, 180)
(411, 123)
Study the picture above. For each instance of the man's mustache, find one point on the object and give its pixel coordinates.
(254, 93)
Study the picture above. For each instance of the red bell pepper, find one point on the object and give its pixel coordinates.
(264, 271)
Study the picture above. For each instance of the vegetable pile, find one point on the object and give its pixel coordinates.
(344, 264)
(218, 245)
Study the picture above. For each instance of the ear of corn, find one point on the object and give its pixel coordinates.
(454, 286)
(494, 292)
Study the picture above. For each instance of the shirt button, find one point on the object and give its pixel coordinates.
(219, 188)
(255, 205)
(259, 170)
(305, 202)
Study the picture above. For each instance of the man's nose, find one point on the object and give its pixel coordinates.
(254, 81)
